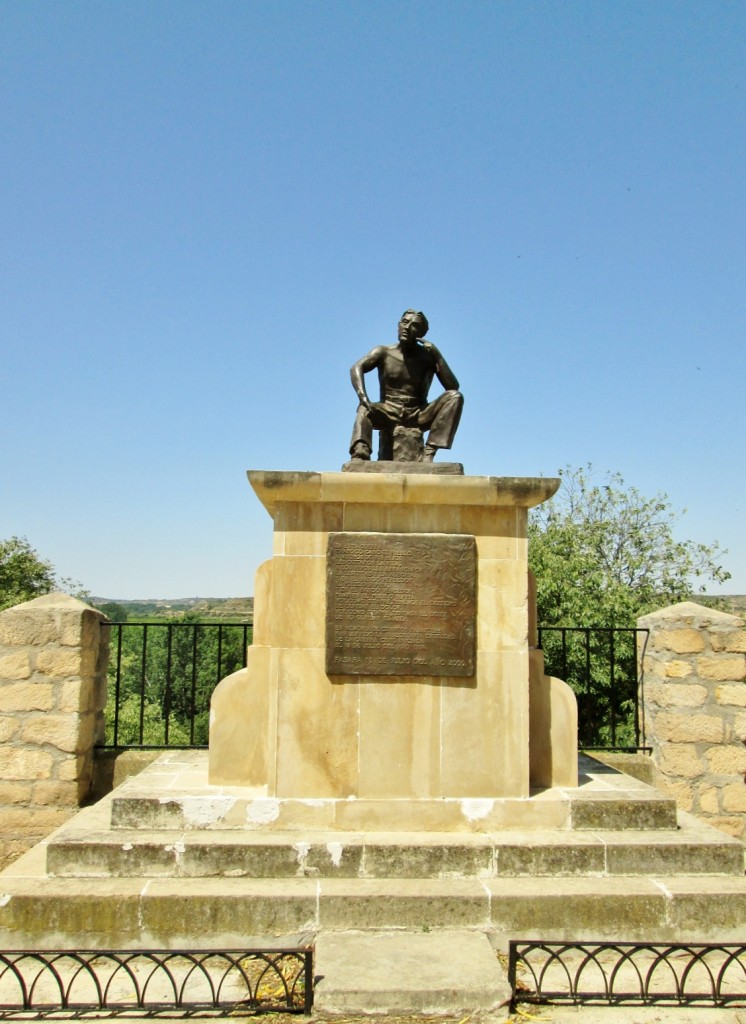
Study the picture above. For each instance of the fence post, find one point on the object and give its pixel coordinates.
(694, 703)
(53, 661)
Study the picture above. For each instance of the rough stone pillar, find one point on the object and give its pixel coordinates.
(694, 708)
(408, 444)
(53, 661)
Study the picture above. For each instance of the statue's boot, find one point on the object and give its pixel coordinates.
(360, 452)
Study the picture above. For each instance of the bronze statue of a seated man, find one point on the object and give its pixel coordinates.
(405, 373)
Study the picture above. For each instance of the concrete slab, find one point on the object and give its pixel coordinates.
(391, 972)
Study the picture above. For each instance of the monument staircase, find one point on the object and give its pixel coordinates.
(170, 861)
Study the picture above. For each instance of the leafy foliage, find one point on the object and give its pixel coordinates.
(167, 672)
(112, 610)
(603, 554)
(24, 574)
(600, 664)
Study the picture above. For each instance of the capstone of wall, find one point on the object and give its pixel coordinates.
(53, 661)
(693, 703)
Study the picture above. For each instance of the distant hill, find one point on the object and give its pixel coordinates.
(734, 603)
(234, 609)
(241, 609)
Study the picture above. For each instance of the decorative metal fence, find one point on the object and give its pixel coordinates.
(61, 984)
(601, 665)
(637, 973)
(162, 675)
(161, 678)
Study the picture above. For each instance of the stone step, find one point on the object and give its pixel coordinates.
(692, 849)
(387, 972)
(222, 912)
(173, 793)
(640, 808)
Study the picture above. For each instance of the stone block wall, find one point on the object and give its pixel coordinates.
(53, 661)
(694, 708)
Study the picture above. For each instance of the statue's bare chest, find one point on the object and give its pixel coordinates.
(406, 371)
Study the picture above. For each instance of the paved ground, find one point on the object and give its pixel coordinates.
(561, 1015)
(525, 1014)
(625, 1015)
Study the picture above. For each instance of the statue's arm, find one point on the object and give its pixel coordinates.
(361, 367)
(443, 372)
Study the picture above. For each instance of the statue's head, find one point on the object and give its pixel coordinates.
(413, 323)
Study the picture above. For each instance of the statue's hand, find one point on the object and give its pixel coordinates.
(365, 402)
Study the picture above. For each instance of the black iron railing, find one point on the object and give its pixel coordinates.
(161, 678)
(637, 973)
(601, 664)
(63, 983)
(162, 675)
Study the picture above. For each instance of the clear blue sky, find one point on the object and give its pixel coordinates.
(210, 210)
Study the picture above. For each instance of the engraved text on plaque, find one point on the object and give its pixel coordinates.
(400, 604)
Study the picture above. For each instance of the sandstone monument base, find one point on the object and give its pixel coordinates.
(393, 676)
(395, 820)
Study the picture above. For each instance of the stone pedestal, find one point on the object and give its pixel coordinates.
(401, 727)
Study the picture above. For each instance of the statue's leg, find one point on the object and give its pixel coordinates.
(385, 444)
(361, 444)
(442, 418)
(384, 416)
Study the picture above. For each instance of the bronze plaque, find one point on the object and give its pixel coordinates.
(400, 604)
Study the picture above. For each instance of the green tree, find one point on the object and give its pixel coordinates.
(169, 669)
(112, 611)
(604, 554)
(24, 574)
